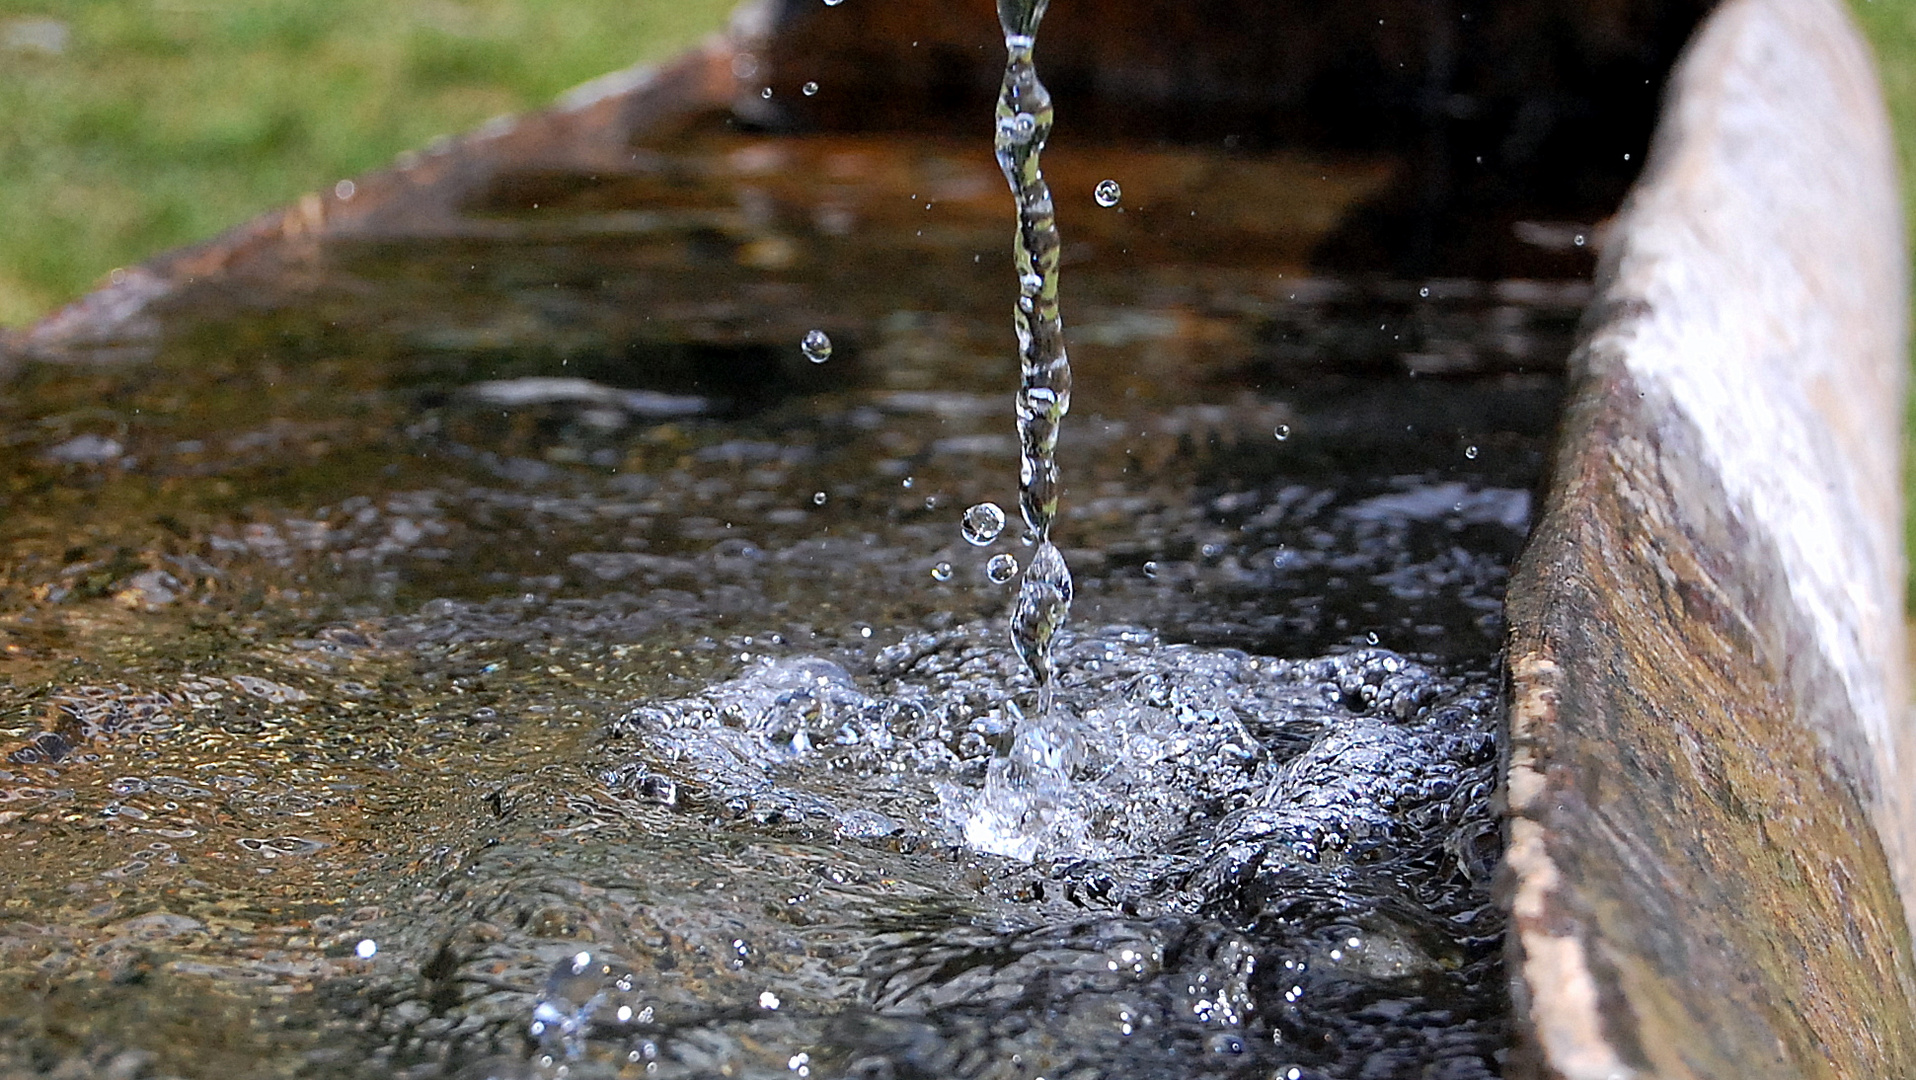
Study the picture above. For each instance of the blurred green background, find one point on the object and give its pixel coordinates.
(131, 126)
(1891, 26)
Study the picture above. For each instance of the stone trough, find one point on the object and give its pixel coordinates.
(1710, 852)
(1711, 754)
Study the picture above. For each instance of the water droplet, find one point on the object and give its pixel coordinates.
(908, 482)
(1470, 452)
(1107, 193)
(817, 347)
(768, 1000)
(1577, 240)
(1283, 432)
(809, 89)
(366, 949)
(1424, 292)
(345, 190)
(1001, 568)
(1371, 637)
(1151, 568)
(833, 3)
(766, 93)
(1030, 285)
(941, 571)
(1018, 129)
(982, 524)
(818, 498)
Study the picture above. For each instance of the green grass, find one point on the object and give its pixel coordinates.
(162, 122)
(1891, 26)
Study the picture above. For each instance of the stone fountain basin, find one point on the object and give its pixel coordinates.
(1710, 819)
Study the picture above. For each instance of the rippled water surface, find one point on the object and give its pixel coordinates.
(506, 654)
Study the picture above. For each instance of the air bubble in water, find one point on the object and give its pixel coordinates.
(1283, 432)
(982, 524)
(817, 347)
(809, 89)
(1107, 193)
(818, 498)
(941, 571)
(1001, 568)
(1470, 452)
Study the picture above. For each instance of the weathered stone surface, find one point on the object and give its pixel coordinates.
(1711, 757)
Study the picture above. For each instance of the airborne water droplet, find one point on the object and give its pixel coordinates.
(982, 524)
(1001, 568)
(1371, 637)
(1470, 452)
(809, 89)
(1424, 292)
(817, 347)
(1107, 193)
(941, 571)
(818, 498)
(1283, 432)
(833, 3)
(1151, 570)
(766, 93)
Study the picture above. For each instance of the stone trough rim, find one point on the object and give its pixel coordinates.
(1770, 194)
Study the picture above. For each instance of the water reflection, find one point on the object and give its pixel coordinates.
(337, 619)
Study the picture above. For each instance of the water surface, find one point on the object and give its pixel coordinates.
(506, 654)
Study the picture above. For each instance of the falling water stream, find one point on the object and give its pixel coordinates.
(1026, 790)
(510, 653)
